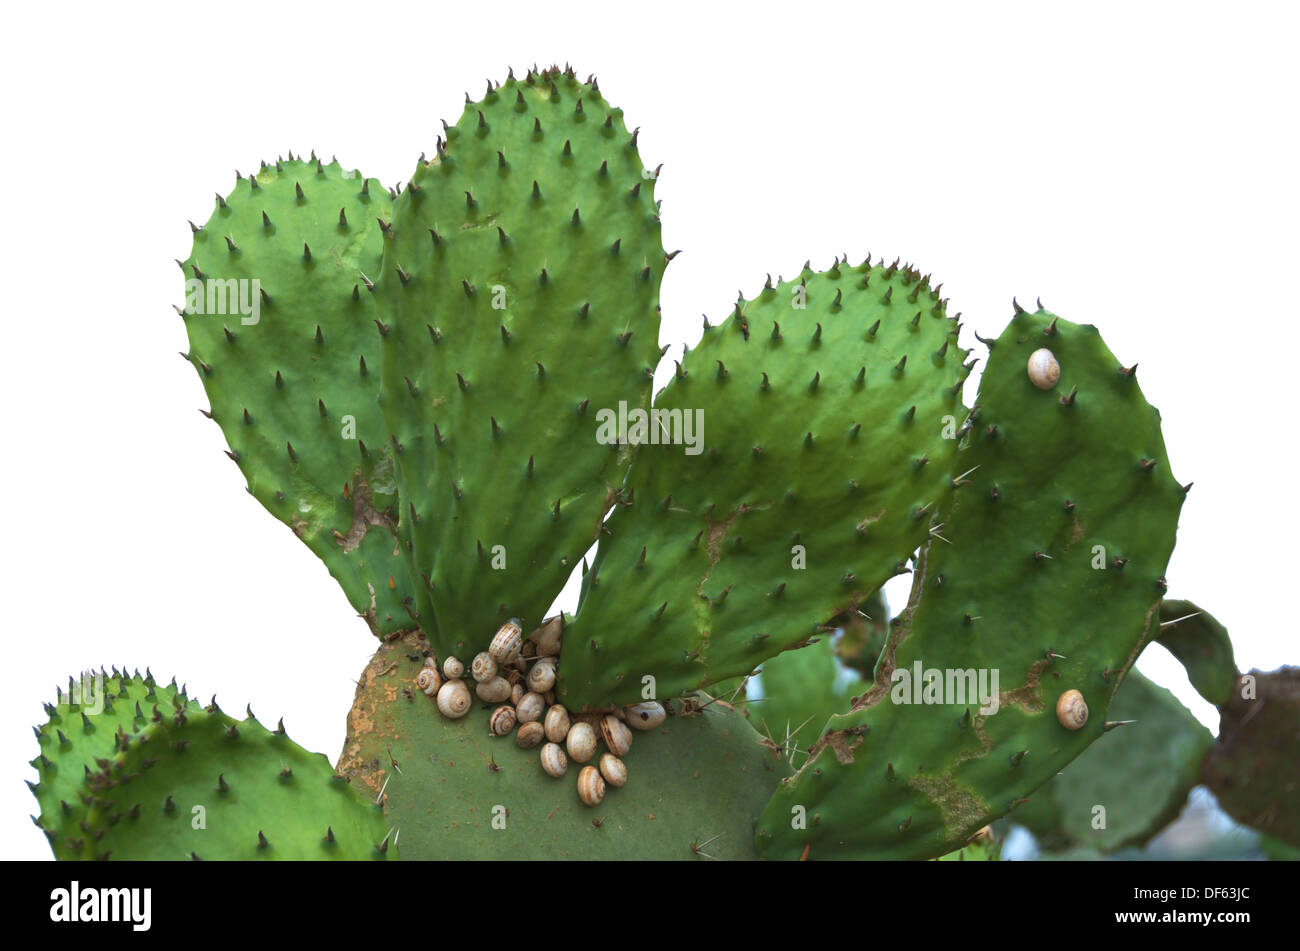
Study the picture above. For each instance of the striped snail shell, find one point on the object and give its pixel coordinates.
(496, 690)
(483, 667)
(581, 742)
(428, 680)
(507, 642)
(502, 720)
(553, 760)
(616, 735)
(529, 735)
(454, 700)
(517, 692)
(1071, 710)
(612, 768)
(645, 716)
(453, 669)
(557, 723)
(591, 786)
(531, 706)
(542, 677)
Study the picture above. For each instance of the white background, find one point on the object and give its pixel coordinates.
(1133, 164)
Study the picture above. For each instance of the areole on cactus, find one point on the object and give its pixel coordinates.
(421, 388)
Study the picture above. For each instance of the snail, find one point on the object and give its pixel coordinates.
(612, 768)
(516, 692)
(553, 760)
(531, 706)
(1044, 371)
(581, 742)
(502, 721)
(557, 723)
(1071, 710)
(428, 680)
(616, 735)
(591, 786)
(542, 677)
(453, 669)
(483, 667)
(454, 700)
(495, 690)
(507, 642)
(529, 735)
(645, 716)
(548, 637)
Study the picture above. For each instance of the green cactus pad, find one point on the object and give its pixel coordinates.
(161, 777)
(699, 780)
(521, 279)
(294, 383)
(1203, 647)
(828, 437)
(1053, 578)
(1141, 774)
(1254, 768)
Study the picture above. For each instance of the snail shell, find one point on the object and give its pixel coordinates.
(429, 680)
(616, 735)
(507, 642)
(496, 690)
(517, 692)
(483, 667)
(502, 721)
(529, 735)
(529, 650)
(550, 697)
(591, 786)
(542, 677)
(612, 768)
(453, 669)
(1044, 371)
(1071, 710)
(557, 723)
(646, 716)
(553, 760)
(548, 637)
(454, 700)
(581, 742)
(531, 706)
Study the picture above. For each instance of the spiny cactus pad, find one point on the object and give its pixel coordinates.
(829, 405)
(1202, 645)
(1050, 571)
(454, 792)
(521, 287)
(156, 775)
(1139, 774)
(294, 383)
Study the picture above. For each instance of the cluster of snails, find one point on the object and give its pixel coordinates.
(519, 674)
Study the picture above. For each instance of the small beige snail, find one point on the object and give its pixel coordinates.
(645, 716)
(581, 742)
(616, 735)
(548, 637)
(554, 761)
(1071, 710)
(502, 721)
(428, 680)
(529, 735)
(453, 669)
(483, 667)
(529, 650)
(454, 700)
(495, 690)
(557, 723)
(1044, 371)
(591, 786)
(531, 706)
(507, 642)
(612, 768)
(516, 692)
(542, 677)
